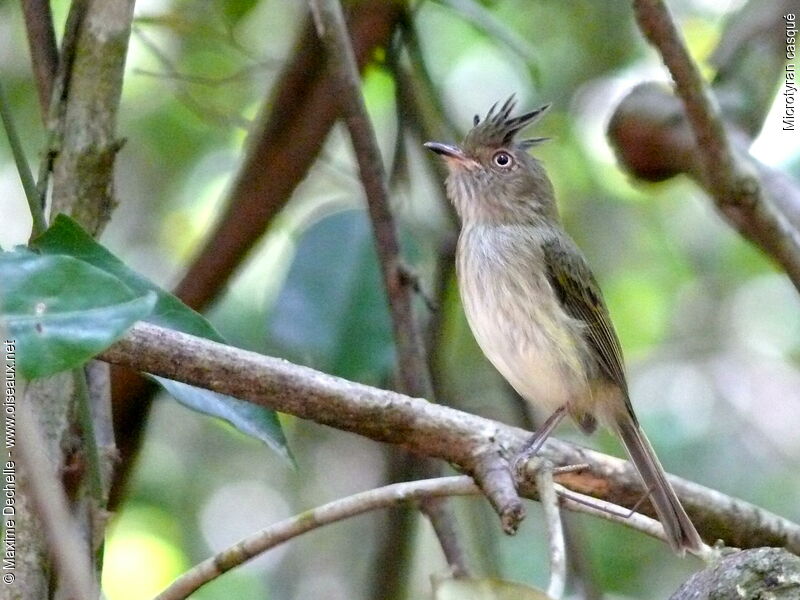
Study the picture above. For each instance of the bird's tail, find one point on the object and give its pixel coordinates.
(680, 531)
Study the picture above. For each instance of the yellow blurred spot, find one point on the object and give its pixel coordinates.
(639, 308)
(138, 564)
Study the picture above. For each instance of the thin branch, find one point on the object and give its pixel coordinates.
(658, 27)
(64, 539)
(298, 115)
(333, 34)
(555, 531)
(468, 441)
(43, 49)
(609, 511)
(383, 497)
(443, 522)
(23, 168)
(732, 182)
(414, 377)
(580, 574)
(331, 512)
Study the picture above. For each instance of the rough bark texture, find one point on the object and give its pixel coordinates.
(51, 400)
(760, 573)
(83, 170)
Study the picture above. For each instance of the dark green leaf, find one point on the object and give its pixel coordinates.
(65, 236)
(61, 311)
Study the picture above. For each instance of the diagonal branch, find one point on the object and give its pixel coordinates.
(426, 428)
(552, 495)
(337, 510)
(332, 30)
(415, 378)
(43, 49)
(732, 181)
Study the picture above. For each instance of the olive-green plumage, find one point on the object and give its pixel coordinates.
(532, 302)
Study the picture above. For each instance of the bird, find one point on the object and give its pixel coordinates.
(533, 304)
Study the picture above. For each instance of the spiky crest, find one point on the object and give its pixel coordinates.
(500, 129)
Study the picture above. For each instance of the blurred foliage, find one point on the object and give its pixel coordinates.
(708, 327)
(333, 296)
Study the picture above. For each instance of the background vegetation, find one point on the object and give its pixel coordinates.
(710, 329)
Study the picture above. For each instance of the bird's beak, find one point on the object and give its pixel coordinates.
(452, 154)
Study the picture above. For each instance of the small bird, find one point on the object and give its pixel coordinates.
(533, 304)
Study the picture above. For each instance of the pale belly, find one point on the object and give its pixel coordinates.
(527, 336)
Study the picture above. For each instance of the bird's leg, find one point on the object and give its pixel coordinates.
(534, 444)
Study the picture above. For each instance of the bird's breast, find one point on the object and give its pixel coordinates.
(516, 317)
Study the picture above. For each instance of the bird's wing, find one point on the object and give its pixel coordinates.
(581, 298)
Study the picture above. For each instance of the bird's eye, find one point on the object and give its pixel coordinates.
(502, 159)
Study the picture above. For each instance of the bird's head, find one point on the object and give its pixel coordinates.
(492, 178)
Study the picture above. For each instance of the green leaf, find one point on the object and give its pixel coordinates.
(332, 313)
(65, 237)
(61, 311)
(484, 589)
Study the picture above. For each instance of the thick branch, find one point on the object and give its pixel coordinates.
(425, 428)
(87, 146)
(732, 181)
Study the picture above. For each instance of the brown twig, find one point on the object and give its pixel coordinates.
(732, 182)
(426, 428)
(333, 33)
(43, 49)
